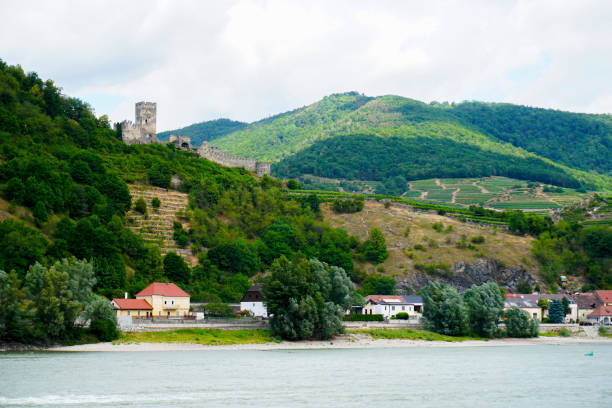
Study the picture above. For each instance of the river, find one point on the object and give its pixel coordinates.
(539, 376)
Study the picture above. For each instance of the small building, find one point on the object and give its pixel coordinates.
(388, 305)
(601, 315)
(132, 307)
(527, 304)
(572, 316)
(167, 299)
(253, 301)
(587, 303)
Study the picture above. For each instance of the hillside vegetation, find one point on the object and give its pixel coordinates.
(205, 131)
(566, 148)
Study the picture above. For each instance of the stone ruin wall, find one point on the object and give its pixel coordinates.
(218, 156)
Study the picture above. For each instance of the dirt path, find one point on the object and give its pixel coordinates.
(482, 189)
(454, 196)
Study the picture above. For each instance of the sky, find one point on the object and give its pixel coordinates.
(250, 59)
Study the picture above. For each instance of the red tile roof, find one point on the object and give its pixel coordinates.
(133, 304)
(163, 289)
(392, 299)
(604, 295)
(602, 311)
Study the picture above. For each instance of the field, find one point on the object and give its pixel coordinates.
(209, 337)
(492, 192)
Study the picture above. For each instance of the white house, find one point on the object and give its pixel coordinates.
(253, 301)
(388, 305)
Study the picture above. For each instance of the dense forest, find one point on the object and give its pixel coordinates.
(71, 169)
(578, 145)
(205, 131)
(396, 160)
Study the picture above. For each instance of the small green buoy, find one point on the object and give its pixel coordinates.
(589, 354)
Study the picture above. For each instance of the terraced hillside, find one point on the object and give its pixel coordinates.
(156, 226)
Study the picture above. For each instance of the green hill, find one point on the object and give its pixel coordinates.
(205, 131)
(560, 147)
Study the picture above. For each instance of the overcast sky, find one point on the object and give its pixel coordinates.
(246, 60)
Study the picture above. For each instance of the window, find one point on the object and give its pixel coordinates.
(139, 313)
(403, 307)
(128, 312)
(392, 307)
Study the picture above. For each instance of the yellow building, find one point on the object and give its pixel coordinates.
(132, 307)
(166, 299)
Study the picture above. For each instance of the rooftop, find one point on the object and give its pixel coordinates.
(538, 296)
(163, 289)
(602, 311)
(385, 299)
(132, 304)
(586, 300)
(604, 295)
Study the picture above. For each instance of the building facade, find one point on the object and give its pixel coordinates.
(132, 307)
(253, 302)
(166, 299)
(391, 305)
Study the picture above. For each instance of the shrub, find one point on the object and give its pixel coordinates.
(293, 185)
(155, 202)
(141, 206)
(218, 309)
(353, 205)
(402, 316)
(603, 330)
(363, 318)
(564, 332)
(419, 247)
(478, 240)
(438, 226)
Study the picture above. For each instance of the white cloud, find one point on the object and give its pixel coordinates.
(251, 59)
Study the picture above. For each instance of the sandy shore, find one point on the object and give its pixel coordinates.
(342, 342)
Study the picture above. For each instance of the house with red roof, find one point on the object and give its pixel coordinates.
(604, 296)
(166, 299)
(601, 315)
(132, 307)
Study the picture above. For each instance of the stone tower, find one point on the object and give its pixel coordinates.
(144, 130)
(146, 117)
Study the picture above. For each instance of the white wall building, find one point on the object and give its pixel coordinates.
(390, 305)
(253, 301)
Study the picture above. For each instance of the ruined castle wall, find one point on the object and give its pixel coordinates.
(129, 132)
(218, 156)
(143, 131)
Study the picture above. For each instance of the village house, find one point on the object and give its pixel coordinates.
(601, 315)
(166, 298)
(253, 302)
(527, 304)
(132, 307)
(587, 303)
(604, 296)
(390, 305)
(572, 316)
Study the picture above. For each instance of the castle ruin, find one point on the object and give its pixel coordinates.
(143, 131)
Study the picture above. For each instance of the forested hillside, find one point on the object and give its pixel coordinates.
(574, 147)
(205, 131)
(64, 173)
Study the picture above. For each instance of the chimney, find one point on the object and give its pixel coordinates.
(126, 295)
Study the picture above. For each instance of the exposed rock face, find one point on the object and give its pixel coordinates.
(463, 275)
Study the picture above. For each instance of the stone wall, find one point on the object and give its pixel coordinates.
(216, 155)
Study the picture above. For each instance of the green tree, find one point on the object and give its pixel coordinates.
(238, 256)
(293, 185)
(377, 285)
(59, 293)
(555, 312)
(543, 303)
(15, 190)
(218, 309)
(102, 318)
(519, 324)
(306, 298)
(443, 310)
(566, 306)
(524, 287)
(12, 308)
(20, 246)
(155, 202)
(176, 269)
(375, 247)
(484, 307)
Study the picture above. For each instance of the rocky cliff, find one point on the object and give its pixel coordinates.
(463, 275)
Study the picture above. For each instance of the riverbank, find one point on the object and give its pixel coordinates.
(348, 341)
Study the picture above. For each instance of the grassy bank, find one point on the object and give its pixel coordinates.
(410, 334)
(209, 337)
